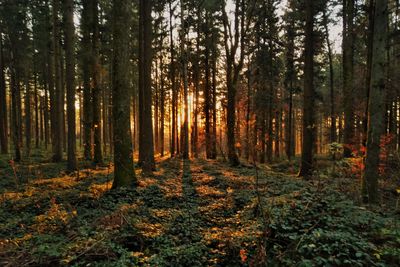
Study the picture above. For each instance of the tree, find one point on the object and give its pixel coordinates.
(146, 145)
(376, 127)
(57, 108)
(3, 103)
(69, 31)
(184, 63)
(124, 175)
(96, 90)
(234, 48)
(86, 51)
(307, 164)
(348, 73)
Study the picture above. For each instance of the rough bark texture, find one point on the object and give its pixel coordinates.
(308, 109)
(69, 31)
(376, 125)
(146, 145)
(124, 175)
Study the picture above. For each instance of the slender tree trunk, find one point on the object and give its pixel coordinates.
(307, 164)
(15, 109)
(331, 80)
(174, 100)
(348, 73)
(377, 100)
(3, 103)
(370, 38)
(28, 117)
(124, 175)
(87, 95)
(214, 98)
(69, 31)
(37, 111)
(96, 90)
(185, 134)
(58, 117)
(162, 110)
(146, 145)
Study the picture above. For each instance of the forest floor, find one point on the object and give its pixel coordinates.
(191, 213)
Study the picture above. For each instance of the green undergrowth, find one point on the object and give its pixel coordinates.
(197, 213)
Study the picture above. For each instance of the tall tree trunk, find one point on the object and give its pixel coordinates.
(207, 94)
(96, 90)
(185, 134)
(370, 39)
(69, 31)
(376, 102)
(348, 73)
(307, 164)
(214, 97)
(37, 111)
(28, 117)
(173, 131)
(87, 95)
(146, 146)
(15, 112)
(58, 117)
(3, 103)
(162, 110)
(124, 175)
(331, 80)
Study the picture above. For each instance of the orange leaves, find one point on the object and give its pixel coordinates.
(243, 255)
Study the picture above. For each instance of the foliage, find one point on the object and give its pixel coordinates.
(205, 214)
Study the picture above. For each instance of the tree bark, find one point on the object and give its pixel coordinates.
(124, 175)
(96, 90)
(3, 103)
(348, 73)
(87, 95)
(69, 31)
(146, 145)
(378, 88)
(307, 164)
(58, 116)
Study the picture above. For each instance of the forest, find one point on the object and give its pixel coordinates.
(200, 133)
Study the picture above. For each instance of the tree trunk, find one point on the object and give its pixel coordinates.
(87, 95)
(376, 102)
(124, 175)
(37, 112)
(173, 130)
(15, 111)
(58, 116)
(348, 73)
(3, 103)
(146, 146)
(185, 134)
(331, 80)
(69, 31)
(28, 117)
(308, 109)
(96, 90)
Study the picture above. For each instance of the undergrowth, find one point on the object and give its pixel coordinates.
(197, 213)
